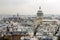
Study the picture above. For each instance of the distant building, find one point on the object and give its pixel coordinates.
(39, 13)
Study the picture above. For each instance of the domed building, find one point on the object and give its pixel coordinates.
(39, 13)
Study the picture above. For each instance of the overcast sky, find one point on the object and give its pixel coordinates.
(29, 7)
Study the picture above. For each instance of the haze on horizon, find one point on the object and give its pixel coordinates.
(29, 7)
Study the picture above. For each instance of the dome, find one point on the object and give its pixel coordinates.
(40, 13)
